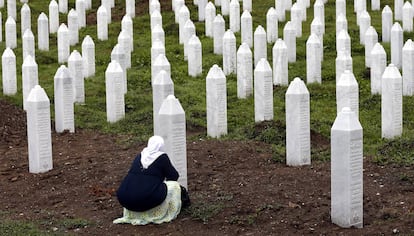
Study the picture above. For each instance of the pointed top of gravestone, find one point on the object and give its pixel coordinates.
(346, 120)
(318, 3)
(127, 18)
(371, 31)
(263, 65)
(271, 12)
(364, 15)
(114, 67)
(288, 26)
(123, 35)
(313, 39)
(295, 7)
(8, 52)
(87, 41)
(244, 49)
(117, 50)
(316, 22)
(396, 27)
(407, 5)
(62, 72)
(28, 34)
(102, 10)
(246, 14)
(189, 24)
(37, 94)
(162, 78)
(297, 86)
(25, 7)
(194, 40)
(387, 9)
(280, 44)
(346, 79)
(183, 10)
(155, 13)
(260, 30)
(343, 34)
(234, 3)
(73, 13)
(161, 60)
(391, 71)
(210, 6)
(42, 16)
(229, 35)
(215, 72)
(171, 106)
(63, 28)
(408, 45)
(75, 56)
(378, 49)
(53, 3)
(10, 21)
(29, 61)
(219, 19)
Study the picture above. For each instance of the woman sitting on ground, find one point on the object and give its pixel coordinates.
(150, 192)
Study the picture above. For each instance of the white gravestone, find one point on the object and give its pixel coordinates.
(298, 146)
(114, 84)
(229, 53)
(30, 77)
(347, 170)
(343, 42)
(287, 4)
(130, 8)
(88, 55)
(378, 65)
(225, 7)
(347, 94)
(9, 77)
(118, 55)
(63, 6)
(1, 27)
(397, 38)
(313, 60)
(386, 19)
(340, 6)
(217, 3)
(102, 23)
(289, 36)
(157, 48)
(172, 128)
(160, 63)
(234, 18)
(280, 63)
(124, 41)
(127, 26)
(319, 12)
(365, 22)
(73, 27)
(64, 110)
(161, 88)
(189, 30)
(80, 9)
(216, 91)
(154, 5)
(107, 5)
(43, 32)
(11, 34)
(75, 66)
(88, 4)
(247, 5)
(1, 3)
(156, 19)
(39, 133)
(280, 9)
(391, 103)
(246, 28)
(371, 38)
(28, 43)
(184, 16)
(260, 44)
(158, 34)
(195, 56)
(219, 28)
(317, 29)
(210, 14)
(398, 6)
(408, 68)
(244, 71)
(343, 62)
(407, 17)
(25, 17)
(375, 5)
(11, 9)
(53, 16)
(271, 25)
(202, 10)
(177, 7)
(63, 39)
(296, 19)
(341, 24)
(263, 91)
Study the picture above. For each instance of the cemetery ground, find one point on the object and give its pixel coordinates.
(236, 188)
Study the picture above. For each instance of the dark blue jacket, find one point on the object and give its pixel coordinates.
(143, 189)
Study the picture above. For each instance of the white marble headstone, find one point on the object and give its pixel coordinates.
(30, 77)
(271, 25)
(408, 68)
(229, 53)
(289, 36)
(397, 38)
(371, 38)
(43, 32)
(160, 63)
(53, 16)
(63, 43)
(81, 11)
(386, 19)
(343, 62)
(102, 23)
(244, 71)
(114, 84)
(378, 65)
(218, 31)
(25, 16)
(347, 93)
(263, 91)
(63, 93)
(9, 77)
(260, 44)
(195, 56)
(210, 14)
(11, 34)
(88, 55)
(247, 28)
(407, 17)
(156, 19)
(73, 27)
(280, 63)
(313, 60)
(234, 18)
(130, 8)
(391, 103)
(28, 43)
(75, 66)
(161, 88)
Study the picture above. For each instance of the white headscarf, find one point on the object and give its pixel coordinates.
(152, 151)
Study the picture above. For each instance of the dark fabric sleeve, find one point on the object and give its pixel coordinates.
(168, 169)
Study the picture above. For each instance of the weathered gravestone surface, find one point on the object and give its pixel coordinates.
(160, 63)
(102, 23)
(408, 68)
(39, 137)
(313, 60)
(296, 19)
(118, 55)
(398, 6)
(75, 66)
(195, 56)
(407, 17)
(161, 88)
(263, 91)
(210, 14)
(280, 63)
(375, 5)
(371, 38)
(234, 18)
(280, 9)
(124, 41)
(319, 12)
(11, 34)
(73, 27)
(260, 44)
(172, 128)
(8, 61)
(63, 93)
(88, 55)
(63, 6)
(128, 27)
(25, 17)
(107, 5)
(157, 48)
(397, 39)
(189, 30)
(225, 7)
(114, 84)
(11, 9)
(340, 7)
(28, 43)
(271, 25)
(289, 36)
(53, 16)
(219, 29)
(202, 10)
(43, 32)
(343, 62)
(347, 93)
(216, 92)
(158, 34)
(247, 28)
(341, 24)
(63, 43)
(317, 29)
(343, 42)
(391, 103)
(80, 9)
(386, 19)
(30, 77)
(244, 71)
(346, 170)
(365, 22)
(378, 65)
(156, 19)
(297, 124)
(229, 53)
(183, 17)
(177, 7)
(130, 8)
